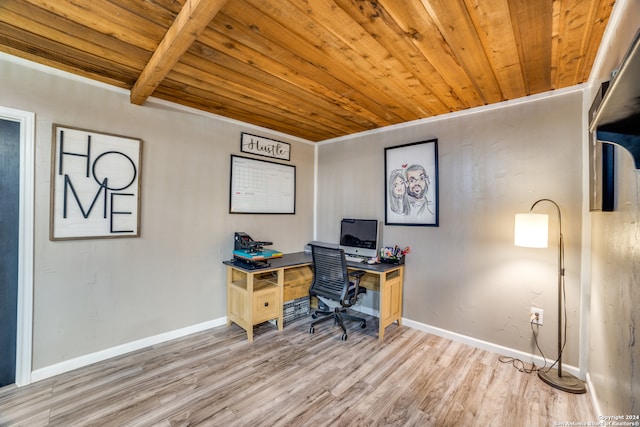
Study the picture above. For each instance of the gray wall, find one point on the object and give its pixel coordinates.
(91, 295)
(614, 357)
(466, 276)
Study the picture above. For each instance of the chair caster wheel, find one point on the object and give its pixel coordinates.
(344, 337)
(311, 330)
(363, 325)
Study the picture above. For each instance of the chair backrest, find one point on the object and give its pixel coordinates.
(330, 276)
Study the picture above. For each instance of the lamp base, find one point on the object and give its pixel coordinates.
(566, 382)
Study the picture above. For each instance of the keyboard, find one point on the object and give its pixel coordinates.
(357, 259)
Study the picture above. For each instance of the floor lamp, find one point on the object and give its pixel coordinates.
(532, 231)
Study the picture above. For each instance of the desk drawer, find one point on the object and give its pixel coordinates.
(297, 281)
(265, 304)
(296, 291)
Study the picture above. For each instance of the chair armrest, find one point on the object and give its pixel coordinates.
(356, 273)
(351, 298)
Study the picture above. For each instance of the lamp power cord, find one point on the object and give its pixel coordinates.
(520, 365)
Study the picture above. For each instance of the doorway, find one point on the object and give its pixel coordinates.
(9, 224)
(16, 244)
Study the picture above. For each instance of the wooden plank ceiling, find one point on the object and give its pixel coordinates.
(316, 69)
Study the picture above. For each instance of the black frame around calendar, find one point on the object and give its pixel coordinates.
(261, 187)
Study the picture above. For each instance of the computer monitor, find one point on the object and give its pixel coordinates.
(359, 237)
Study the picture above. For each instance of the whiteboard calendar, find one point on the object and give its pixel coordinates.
(261, 187)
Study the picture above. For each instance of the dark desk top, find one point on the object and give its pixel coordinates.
(302, 258)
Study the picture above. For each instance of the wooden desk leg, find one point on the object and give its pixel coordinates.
(384, 304)
(248, 304)
(390, 299)
(229, 278)
(400, 291)
(280, 299)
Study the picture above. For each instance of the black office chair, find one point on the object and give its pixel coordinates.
(333, 288)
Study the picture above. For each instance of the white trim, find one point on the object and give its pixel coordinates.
(584, 330)
(24, 324)
(151, 101)
(461, 113)
(593, 396)
(161, 103)
(616, 16)
(488, 346)
(59, 73)
(315, 193)
(99, 356)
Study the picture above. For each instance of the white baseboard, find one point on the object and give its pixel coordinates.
(98, 356)
(88, 359)
(485, 345)
(592, 395)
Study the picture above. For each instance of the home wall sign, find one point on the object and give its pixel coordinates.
(95, 185)
(264, 147)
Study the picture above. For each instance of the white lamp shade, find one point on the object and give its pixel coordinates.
(532, 230)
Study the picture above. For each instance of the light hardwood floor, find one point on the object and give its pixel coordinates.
(293, 378)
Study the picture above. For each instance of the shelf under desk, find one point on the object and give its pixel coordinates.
(256, 295)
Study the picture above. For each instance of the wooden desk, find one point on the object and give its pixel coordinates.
(256, 296)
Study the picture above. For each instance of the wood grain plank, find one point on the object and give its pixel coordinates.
(453, 21)
(159, 12)
(423, 32)
(366, 52)
(493, 25)
(580, 28)
(532, 23)
(232, 95)
(291, 377)
(264, 47)
(107, 18)
(595, 34)
(233, 110)
(331, 53)
(103, 48)
(376, 21)
(20, 43)
(296, 81)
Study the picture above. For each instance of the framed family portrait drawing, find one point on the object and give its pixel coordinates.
(411, 184)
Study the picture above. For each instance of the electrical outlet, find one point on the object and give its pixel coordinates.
(536, 315)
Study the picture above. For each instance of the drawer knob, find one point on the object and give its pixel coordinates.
(266, 304)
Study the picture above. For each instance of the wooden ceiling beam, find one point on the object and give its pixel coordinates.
(193, 18)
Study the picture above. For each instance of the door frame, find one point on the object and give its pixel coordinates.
(24, 342)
